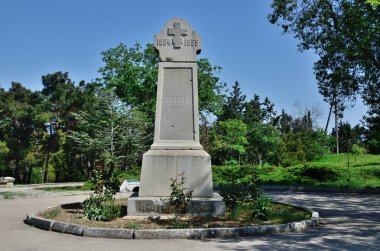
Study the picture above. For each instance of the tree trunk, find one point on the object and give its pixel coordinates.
(17, 170)
(328, 119)
(336, 127)
(112, 166)
(30, 174)
(46, 166)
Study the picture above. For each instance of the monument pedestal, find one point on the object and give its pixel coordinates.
(159, 166)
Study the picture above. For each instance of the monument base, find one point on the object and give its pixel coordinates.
(145, 206)
(160, 166)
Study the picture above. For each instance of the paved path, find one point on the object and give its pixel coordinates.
(349, 222)
(35, 190)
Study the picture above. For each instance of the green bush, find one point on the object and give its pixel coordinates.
(240, 192)
(320, 173)
(261, 208)
(231, 174)
(133, 173)
(179, 197)
(100, 207)
(102, 181)
(286, 214)
(37, 174)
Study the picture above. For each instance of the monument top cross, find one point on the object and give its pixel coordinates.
(177, 42)
(177, 32)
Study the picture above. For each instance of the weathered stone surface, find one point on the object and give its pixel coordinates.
(160, 205)
(164, 234)
(177, 42)
(108, 233)
(159, 166)
(41, 223)
(207, 206)
(69, 228)
(176, 122)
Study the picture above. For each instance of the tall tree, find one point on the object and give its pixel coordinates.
(285, 122)
(62, 98)
(17, 125)
(133, 73)
(234, 105)
(345, 34)
(111, 133)
(228, 141)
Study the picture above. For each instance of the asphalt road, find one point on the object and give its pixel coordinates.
(348, 222)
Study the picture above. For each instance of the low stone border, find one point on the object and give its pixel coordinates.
(321, 189)
(196, 233)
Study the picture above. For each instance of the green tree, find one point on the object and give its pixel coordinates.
(3, 153)
(302, 146)
(263, 141)
(345, 36)
(133, 73)
(255, 111)
(109, 133)
(374, 2)
(348, 136)
(19, 123)
(62, 98)
(285, 122)
(234, 105)
(228, 141)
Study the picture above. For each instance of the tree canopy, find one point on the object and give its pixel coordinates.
(345, 34)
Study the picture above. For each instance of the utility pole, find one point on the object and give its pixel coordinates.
(336, 125)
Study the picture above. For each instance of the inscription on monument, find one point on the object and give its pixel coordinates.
(177, 84)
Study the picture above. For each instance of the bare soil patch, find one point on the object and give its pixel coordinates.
(281, 213)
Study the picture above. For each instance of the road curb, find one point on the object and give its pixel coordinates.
(321, 189)
(196, 233)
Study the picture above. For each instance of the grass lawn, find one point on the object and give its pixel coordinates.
(332, 170)
(12, 195)
(64, 188)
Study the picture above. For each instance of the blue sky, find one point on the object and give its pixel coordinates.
(44, 36)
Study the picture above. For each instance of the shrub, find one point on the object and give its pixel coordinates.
(100, 207)
(37, 175)
(179, 197)
(261, 208)
(233, 195)
(101, 182)
(240, 192)
(320, 173)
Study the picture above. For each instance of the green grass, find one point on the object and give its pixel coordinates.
(51, 213)
(12, 195)
(64, 188)
(331, 170)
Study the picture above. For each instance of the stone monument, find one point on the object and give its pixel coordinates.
(176, 146)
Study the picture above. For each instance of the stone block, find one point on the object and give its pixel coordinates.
(41, 223)
(108, 233)
(178, 42)
(159, 166)
(64, 227)
(160, 205)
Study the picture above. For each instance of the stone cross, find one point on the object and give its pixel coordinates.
(177, 42)
(177, 32)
